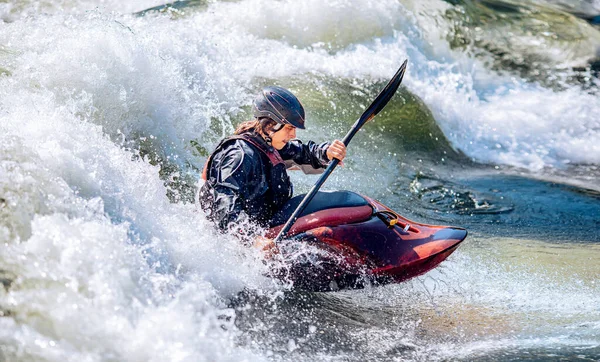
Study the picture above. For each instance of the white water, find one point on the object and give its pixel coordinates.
(177, 74)
(106, 267)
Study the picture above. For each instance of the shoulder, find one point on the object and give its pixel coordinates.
(236, 154)
(235, 148)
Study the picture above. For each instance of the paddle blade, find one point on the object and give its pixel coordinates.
(384, 96)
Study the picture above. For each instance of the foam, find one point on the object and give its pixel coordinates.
(109, 268)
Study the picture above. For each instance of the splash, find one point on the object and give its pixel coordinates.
(98, 111)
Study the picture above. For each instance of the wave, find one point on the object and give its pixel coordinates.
(105, 119)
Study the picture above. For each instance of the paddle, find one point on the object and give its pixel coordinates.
(378, 104)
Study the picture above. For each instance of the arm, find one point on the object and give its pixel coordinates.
(312, 158)
(311, 153)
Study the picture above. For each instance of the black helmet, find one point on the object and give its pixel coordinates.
(280, 105)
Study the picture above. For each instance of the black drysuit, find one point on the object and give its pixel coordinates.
(247, 178)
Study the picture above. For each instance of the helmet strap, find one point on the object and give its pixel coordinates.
(278, 127)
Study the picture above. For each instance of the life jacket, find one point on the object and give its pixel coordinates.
(280, 188)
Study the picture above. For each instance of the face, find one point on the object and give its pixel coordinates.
(283, 136)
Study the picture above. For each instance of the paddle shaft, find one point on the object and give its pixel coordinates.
(377, 105)
(313, 191)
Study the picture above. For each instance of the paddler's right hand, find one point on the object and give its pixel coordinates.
(337, 149)
(266, 245)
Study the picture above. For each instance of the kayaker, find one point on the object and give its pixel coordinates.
(246, 176)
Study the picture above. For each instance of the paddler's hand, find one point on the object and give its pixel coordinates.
(266, 245)
(337, 149)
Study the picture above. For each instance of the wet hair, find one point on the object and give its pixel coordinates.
(263, 126)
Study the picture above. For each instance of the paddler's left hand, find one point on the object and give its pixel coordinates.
(266, 245)
(337, 149)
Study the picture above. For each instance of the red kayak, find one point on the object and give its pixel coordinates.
(361, 241)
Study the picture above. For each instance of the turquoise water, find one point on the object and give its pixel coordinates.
(108, 110)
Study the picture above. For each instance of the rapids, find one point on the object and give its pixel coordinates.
(108, 110)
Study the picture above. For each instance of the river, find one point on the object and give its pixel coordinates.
(109, 110)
